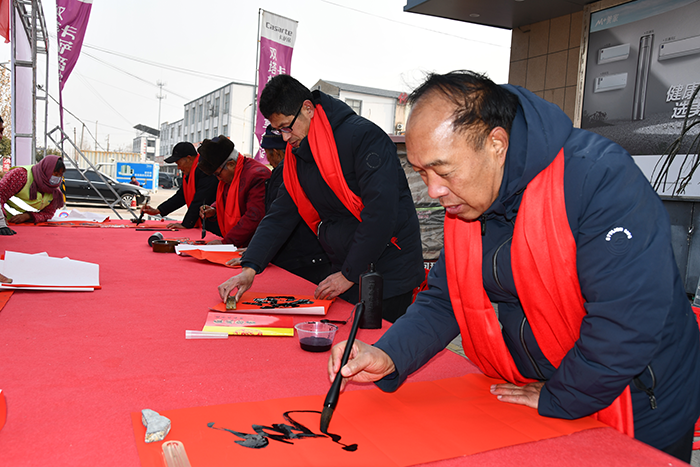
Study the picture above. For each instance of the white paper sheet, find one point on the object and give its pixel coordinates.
(182, 247)
(64, 215)
(42, 270)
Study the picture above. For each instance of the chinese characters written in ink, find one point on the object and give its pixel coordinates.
(281, 432)
(680, 94)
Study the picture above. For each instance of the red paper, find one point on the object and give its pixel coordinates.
(421, 422)
(218, 257)
(5, 297)
(317, 307)
(239, 324)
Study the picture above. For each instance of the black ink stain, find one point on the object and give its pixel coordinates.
(282, 432)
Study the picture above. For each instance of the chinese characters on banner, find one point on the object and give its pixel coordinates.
(680, 94)
(277, 37)
(72, 17)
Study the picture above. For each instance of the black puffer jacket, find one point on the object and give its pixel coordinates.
(388, 235)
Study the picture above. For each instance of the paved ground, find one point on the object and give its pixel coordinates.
(156, 199)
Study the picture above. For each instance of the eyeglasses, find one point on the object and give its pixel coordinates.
(287, 129)
(218, 171)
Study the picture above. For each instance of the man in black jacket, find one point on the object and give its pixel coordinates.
(193, 193)
(343, 179)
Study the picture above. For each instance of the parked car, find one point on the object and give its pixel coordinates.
(167, 181)
(79, 190)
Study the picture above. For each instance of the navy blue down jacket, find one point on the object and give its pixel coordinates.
(639, 330)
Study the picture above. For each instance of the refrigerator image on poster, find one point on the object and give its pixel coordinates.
(642, 66)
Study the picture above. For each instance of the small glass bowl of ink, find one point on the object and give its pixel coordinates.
(315, 336)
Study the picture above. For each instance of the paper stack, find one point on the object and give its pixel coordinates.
(42, 272)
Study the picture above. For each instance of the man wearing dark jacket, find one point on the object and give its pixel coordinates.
(197, 188)
(560, 228)
(301, 254)
(343, 179)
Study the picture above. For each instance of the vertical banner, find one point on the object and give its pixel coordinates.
(277, 37)
(72, 18)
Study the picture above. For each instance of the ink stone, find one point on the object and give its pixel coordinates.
(157, 426)
(316, 344)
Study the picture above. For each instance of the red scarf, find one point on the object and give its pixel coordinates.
(325, 155)
(543, 256)
(189, 188)
(229, 213)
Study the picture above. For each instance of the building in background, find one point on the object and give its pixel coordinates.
(387, 109)
(145, 145)
(170, 135)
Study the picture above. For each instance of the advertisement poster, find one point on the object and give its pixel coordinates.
(642, 69)
(146, 173)
(277, 37)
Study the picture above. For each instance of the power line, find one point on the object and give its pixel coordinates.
(412, 25)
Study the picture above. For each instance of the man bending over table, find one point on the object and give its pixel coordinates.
(561, 229)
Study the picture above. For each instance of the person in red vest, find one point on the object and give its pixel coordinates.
(562, 231)
(197, 188)
(240, 194)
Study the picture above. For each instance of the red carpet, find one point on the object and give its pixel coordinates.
(73, 366)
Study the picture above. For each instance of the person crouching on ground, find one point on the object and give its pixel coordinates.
(37, 186)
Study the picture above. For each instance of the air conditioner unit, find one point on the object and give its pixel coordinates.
(679, 48)
(610, 82)
(613, 54)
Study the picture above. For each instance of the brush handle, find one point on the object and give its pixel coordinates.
(334, 392)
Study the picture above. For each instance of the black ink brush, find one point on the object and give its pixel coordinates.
(334, 392)
(204, 228)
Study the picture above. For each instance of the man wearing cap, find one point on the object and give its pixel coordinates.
(240, 194)
(301, 254)
(343, 180)
(196, 190)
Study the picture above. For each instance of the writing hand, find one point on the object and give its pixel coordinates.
(207, 211)
(528, 395)
(19, 218)
(332, 286)
(365, 364)
(149, 210)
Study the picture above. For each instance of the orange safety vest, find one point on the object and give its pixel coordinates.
(543, 256)
(325, 155)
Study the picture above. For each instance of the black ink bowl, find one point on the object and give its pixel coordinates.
(315, 336)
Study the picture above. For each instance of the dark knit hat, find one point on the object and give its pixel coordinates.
(182, 149)
(272, 141)
(213, 152)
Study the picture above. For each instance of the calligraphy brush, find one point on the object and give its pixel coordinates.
(334, 392)
(204, 229)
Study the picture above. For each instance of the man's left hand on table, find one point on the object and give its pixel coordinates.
(528, 395)
(332, 286)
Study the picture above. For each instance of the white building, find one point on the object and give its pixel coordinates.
(387, 109)
(170, 135)
(227, 111)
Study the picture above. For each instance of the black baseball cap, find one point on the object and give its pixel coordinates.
(182, 149)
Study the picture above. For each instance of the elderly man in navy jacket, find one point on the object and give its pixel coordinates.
(560, 228)
(343, 179)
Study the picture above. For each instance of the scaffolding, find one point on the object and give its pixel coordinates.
(30, 14)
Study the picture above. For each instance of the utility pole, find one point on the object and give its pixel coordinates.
(160, 98)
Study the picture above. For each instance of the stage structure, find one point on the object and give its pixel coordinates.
(29, 45)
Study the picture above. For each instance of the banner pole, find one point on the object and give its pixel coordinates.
(255, 90)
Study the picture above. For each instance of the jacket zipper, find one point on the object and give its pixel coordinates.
(527, 352)
(649, 391)
(494, 264)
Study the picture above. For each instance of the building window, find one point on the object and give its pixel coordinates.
(201, 111)
(226, 102)
(225, 131)
(185, 120)
(199, 136)
(216, 106)
(215, 132)
(355, 105)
